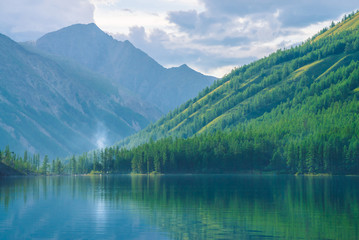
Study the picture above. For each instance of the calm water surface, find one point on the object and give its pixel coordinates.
(179, 207)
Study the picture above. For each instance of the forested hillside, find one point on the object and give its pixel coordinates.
(285, 79)
(295, 110)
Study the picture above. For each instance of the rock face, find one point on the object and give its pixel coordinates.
(125, 65)
(52, 106)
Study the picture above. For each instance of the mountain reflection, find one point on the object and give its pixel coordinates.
(187, 206)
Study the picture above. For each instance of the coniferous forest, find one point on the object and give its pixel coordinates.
(295, 111)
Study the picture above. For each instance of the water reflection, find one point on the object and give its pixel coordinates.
(180, 207)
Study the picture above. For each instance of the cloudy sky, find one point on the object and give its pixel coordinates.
(211, 36)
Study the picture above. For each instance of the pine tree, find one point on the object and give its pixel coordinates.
(45, 165)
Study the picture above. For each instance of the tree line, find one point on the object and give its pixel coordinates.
(31, 163)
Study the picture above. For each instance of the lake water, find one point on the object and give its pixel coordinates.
(179, 207)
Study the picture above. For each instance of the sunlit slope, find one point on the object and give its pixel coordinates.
(351, 24)
(286, 79)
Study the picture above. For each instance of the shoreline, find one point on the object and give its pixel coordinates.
(189, 174)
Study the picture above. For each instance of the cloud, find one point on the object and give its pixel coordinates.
(208, 35)
(29, 19)
(121, 19)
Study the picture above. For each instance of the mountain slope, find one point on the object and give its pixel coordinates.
(286, 80)
(58, 108)
(125, 65)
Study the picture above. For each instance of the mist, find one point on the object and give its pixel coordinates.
(100, 137)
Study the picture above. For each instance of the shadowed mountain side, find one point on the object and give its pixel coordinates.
(55, 108)
(8, 171)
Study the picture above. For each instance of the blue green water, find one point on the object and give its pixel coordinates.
(179, 207)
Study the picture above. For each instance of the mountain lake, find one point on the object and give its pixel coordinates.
(180, 207)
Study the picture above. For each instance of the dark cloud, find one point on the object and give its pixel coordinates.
(127, 10)
(242, 7)
(291, 13)
(225, 41)
(225, 30)
(300, 15)
(198, 23)
(184, 19)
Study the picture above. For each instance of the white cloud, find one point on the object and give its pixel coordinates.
(121, 20)
(221, 71)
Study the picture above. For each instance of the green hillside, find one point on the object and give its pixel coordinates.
(295, 110)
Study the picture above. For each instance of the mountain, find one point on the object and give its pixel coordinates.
(125, 65)
(296, 110)
(55, 107)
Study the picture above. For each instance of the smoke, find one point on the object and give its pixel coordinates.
(100, 136)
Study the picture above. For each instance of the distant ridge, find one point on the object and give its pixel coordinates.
(125, 65)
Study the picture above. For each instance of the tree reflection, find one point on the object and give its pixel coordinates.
(215, 206)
